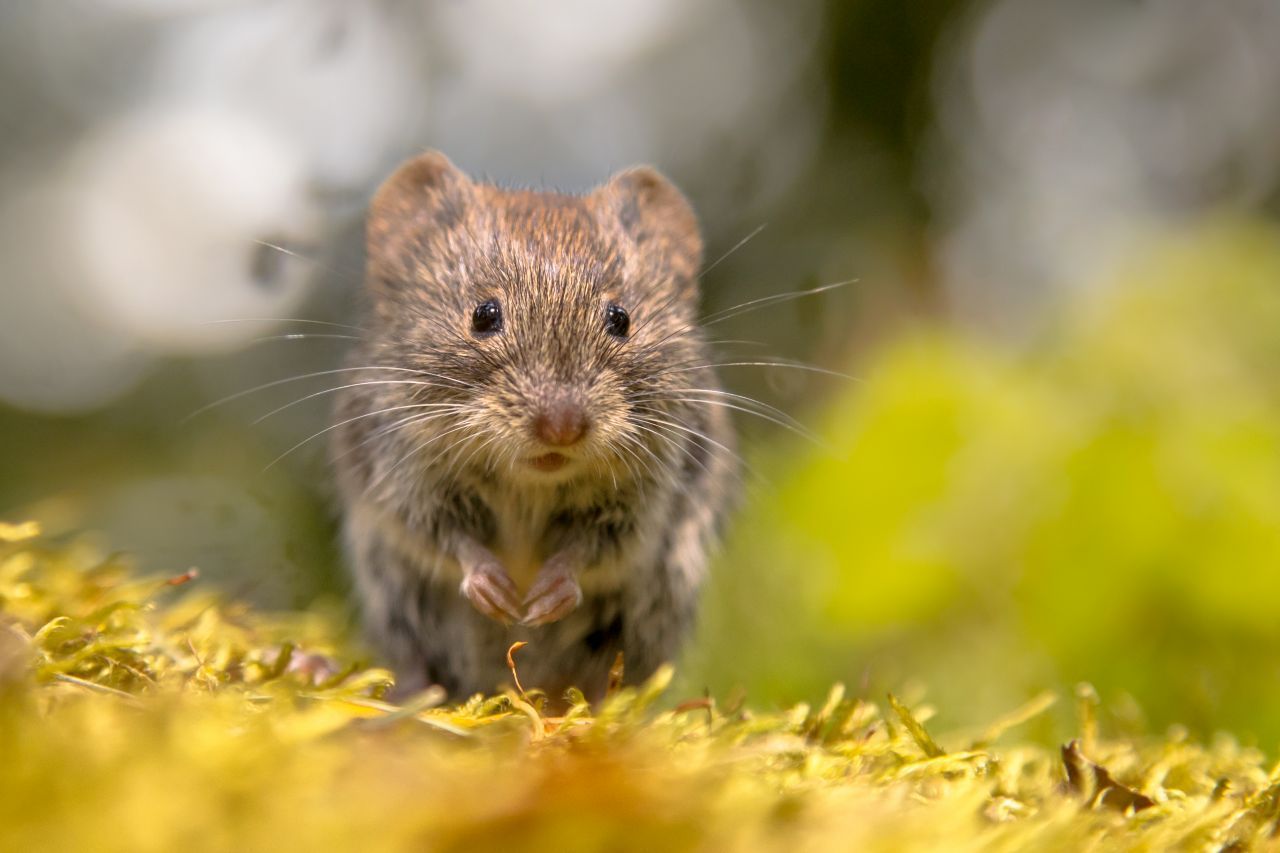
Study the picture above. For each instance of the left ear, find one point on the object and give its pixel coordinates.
(657, 219)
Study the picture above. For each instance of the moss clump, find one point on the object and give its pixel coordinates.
(142, 714)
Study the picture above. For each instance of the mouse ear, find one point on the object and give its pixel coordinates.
(657, 218)
(426, 194)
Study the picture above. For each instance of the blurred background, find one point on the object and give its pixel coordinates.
(1056, 456)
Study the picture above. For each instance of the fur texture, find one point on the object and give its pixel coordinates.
(585, 550)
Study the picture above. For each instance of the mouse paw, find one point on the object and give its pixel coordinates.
(554, 595)
(492, 591)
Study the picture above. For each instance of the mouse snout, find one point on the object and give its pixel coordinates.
(560, 422)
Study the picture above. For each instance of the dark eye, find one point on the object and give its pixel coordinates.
(617, 321)
(487, 318)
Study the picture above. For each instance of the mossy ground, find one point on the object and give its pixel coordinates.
(144, 714)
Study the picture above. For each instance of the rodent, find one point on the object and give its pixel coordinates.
(529, 449)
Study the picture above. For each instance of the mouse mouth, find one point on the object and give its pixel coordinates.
(549, 462)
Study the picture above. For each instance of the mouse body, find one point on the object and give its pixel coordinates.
(530, 444)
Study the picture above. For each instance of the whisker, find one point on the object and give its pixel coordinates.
(419, 448)
(364, 333)
(663, 429)
(736, 247)
(794, 365)
(740, 402)
(294, 336)
(282, 320)
(403, 423)
(284, 250)
(728, 341)
(491, 440)
(716, 392)
(635, 448)
(754, 304)
(285, 381)
(454, 466)
(796, 428)
(343, 423)
(679, 446)
(623, 447)
(743, 466)
(632, 473)
(324, 391)
(730, 312)
(691, 431)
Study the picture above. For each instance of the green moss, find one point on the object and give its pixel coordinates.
(144, 714)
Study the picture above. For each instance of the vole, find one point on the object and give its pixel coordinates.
(529, 448)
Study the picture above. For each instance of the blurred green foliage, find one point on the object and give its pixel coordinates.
(1102, 505)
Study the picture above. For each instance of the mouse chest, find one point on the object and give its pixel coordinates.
(520, 532)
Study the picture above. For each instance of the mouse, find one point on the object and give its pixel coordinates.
(531, 446)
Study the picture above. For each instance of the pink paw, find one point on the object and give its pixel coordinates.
(554, 595)
(492, 591)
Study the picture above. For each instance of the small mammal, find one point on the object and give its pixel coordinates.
(529, 446)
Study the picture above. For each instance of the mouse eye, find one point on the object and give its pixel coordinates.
(617, 321)
(487, 318)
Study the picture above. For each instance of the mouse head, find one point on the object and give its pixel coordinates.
(555, 332)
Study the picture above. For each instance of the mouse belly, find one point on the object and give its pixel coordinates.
(522, 566)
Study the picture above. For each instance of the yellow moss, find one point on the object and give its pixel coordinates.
(143, 714)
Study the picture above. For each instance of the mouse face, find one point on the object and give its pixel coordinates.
(554, 337)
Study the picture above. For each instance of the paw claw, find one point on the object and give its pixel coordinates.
(492, 592)
(554, 595)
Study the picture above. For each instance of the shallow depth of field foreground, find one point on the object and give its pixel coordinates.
(139, 714)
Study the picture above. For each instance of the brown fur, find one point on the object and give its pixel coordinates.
(446, 499)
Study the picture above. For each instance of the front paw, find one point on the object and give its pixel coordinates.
(554, 595)
(492, 591)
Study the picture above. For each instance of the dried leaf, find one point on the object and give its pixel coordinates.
(1094, 782)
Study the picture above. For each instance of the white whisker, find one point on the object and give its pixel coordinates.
(763, 301)
(299, 336)
(693, 432)
(403, 423)
(680, 445)
(285, 381)
(284, 320)
(417, 449)
(736, 246)
(796, 428)
(791, 364)
(324, 391)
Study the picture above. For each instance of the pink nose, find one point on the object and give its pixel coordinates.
(560, 423)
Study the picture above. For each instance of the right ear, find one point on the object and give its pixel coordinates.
(426, 193)
(658, 219)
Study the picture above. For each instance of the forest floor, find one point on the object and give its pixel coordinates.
(148, 714)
